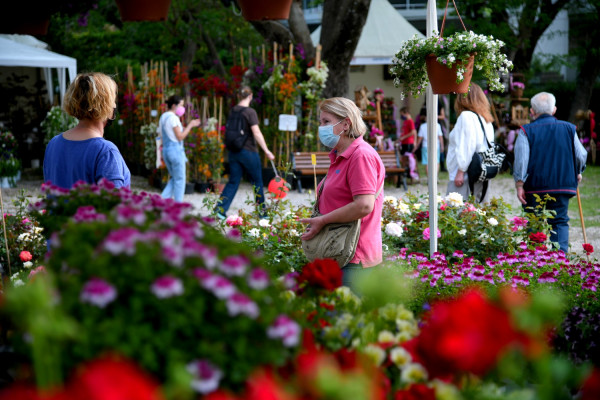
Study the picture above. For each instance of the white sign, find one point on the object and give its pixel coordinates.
(153, 113)
(288, 122)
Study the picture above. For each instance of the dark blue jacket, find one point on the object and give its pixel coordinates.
(551, 167)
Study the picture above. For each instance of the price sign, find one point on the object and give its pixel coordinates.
(288, 122)
(313, 159)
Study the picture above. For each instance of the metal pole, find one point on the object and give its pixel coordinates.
(432, 140)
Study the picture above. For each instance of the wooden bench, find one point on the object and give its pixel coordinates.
(302, 166)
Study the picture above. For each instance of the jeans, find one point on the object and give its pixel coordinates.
(175, 159)
(352, 274)
(560, 222)
(249, 162)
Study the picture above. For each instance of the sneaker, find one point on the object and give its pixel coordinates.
(221, 216)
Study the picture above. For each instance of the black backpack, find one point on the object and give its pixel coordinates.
(236, 131)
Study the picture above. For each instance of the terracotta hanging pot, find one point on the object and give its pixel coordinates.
(143, 10)
(443, 79)
(258, 10)
(28, 23)
(516, 92)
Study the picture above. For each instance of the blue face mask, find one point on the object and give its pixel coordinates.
(327, 137)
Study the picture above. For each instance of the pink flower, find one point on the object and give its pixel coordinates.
(88, 214)
(286, 329)
(98, 292)
(458, 254)
(220, 286)
(35, 271)
(25, 256)
(167, 286)
(240, 304)
(234, 220)
(258, 279)
(234, 265)
(426, 234)
(206, 377)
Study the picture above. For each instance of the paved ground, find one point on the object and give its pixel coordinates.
(502, 186)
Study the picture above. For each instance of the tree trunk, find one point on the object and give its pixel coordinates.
(300, 30)
(189, 52)
(340, 33)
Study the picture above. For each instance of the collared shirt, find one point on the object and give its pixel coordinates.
(465, 139)
(357, 171)
(521, 162)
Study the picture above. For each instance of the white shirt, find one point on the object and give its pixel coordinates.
(465, 139)
(169, 120)
(423, 132)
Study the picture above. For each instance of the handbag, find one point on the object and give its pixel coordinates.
(337, 240)
(485, 165)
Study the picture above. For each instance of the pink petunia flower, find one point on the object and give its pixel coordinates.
(167, 286)
(286, 329)
(240, 304)
(258, 279)
(206, 377)
(98, 292)
(234, 265)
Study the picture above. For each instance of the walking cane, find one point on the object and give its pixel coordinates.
(582, 223)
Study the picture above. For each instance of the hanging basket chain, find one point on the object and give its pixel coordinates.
(444, 20)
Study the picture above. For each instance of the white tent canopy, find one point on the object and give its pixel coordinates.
(14, 53)
(384, 31)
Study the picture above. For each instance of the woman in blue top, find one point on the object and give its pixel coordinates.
(172, 134)
(82, 153)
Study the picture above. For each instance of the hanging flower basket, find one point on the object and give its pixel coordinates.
(258, 10)
(143, 10)
(446, 80)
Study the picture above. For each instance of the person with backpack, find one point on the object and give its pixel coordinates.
(242, 139)
(474, 121)
(172, 134)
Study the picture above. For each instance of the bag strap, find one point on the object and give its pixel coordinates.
(323, 184)
(485, 184)
(483, 129)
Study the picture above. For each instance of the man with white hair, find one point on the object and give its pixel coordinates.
(549, 159)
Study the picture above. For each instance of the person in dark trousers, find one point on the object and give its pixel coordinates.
(247, 159)
(549, 159)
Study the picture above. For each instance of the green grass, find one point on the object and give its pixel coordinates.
(589, 190)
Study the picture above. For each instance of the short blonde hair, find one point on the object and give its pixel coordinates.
(92, 96)
(344, 108)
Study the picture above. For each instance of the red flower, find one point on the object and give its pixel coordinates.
(25, 256)
(325, 274)
(588, 248)
(113, 378)
(591, 386)
(417, 391)
(467, 334)
(262, 386)
(538, 237)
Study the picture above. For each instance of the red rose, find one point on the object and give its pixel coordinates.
(467, 334)
(538, 237)
(417, 391)
(113, 378)
(325, 274)
(25, 256)
(588, 248)
(591, 386)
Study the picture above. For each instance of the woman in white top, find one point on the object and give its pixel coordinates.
(422, 142)
(173, 133)
(466, 138)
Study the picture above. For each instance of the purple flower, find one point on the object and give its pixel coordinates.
(258, 279)
(206, 376)
(234, 265)
(290, 281)
(235, 235)
(167, 286)
(241, 304)
(98, 292)
(547, 277)
(286, 329)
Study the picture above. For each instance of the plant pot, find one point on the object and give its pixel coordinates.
(443, 79)
(516, 93)
(258, 10)
(143, 10)
(202, 187)
(8, 181)
(189, 188)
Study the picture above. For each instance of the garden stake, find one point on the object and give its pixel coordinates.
(4, 229)
(313, 160)
(582, 223)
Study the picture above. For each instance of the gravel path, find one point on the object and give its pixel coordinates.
(502, 186)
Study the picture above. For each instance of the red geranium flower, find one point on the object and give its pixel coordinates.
(25, 256)
(417, 391)
(588, 248)
(467, 334)
(325, 274)
(538, 237)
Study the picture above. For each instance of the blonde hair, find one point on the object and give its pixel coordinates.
(345, 108)
(475, 101)
(92, 96)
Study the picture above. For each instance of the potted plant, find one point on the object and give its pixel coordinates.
(141, 10)
(257, 10)
(516, 89)
(57, 121)
(457, 51)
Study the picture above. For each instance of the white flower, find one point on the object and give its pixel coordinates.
(413, 373)
(18, 282)
(254, 232)
(394, 229)
(462, 232)
(294, 232)
(492, 221)
(400, 356)
(417, 206)
(391, 200)
(264, 223)
(28, 264)
(403, 208)
(454, 199)
(386, 337)
(375, 353)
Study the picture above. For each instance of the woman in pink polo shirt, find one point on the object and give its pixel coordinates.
(355, 175)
